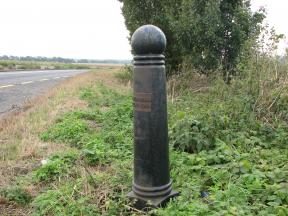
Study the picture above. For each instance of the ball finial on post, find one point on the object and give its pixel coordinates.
(148, 39)
(152, 182)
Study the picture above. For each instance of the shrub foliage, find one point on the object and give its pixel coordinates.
(207, 34)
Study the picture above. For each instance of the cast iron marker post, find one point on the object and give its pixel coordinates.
(152, 182)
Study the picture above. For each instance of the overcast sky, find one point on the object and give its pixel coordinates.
(277, 16)
(91, 29)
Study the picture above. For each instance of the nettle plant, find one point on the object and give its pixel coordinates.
(56, 167)
(191, 135)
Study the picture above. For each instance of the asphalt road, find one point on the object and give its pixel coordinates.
(18, 87)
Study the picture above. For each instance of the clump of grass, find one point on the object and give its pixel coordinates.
(55, 167)
(16, 194)
(66, 200)
(68, 129)
(103, 193)
(125, 75)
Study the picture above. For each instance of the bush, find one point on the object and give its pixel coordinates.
(197, 31)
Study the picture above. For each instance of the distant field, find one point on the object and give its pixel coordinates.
(11, 65)
(93, 65)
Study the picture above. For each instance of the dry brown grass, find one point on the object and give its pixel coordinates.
(20, 147)
(13, 210)
(188, 81)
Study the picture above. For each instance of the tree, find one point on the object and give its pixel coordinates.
(138, 13)
(209, 34)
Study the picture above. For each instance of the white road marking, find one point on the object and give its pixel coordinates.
(28, 82)
(43, 80)
(24, 83)
(40, 71)
(6, 86)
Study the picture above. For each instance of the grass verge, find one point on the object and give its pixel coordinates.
(224, 159)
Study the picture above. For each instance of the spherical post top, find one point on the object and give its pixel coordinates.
(148, 39)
